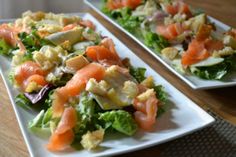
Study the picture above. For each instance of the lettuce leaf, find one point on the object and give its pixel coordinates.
(120, 120)
(23, 102)
(133, 24)
(155, 41)
(125, 19)
(86, 106)
(40, 125)
(87, 110)
(215, 72)
(162, 97)
(161, 93)
(138, 73)
(5, 49)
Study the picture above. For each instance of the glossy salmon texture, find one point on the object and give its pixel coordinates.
(27, 72)
(116, 4)
(200, 50)
(178, 7)
(171, 31)
(146, 111)
(39, 79)
(104, 53)
(10, 35)
(63, 136)
(87, 23)
(195, 53)
(69, 27)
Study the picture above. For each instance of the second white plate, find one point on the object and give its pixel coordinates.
(192, 81)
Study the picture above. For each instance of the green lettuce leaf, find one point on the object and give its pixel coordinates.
(155, 41)
(162, 97)
(125, 19)
(120, 120)
(138, 73)
(23, 102)
(86, 106)
(48, 101)
(32, 41)
(215, 72)
(41, 124)
(5, 49)
(87, 110)
(161, 93)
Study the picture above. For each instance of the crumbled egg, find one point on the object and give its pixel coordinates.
(148, 82)
(229, 41)
(145, 95)
(32, 86)
(17, 58)
(49, 56)
(50, 28)
(112, 71)
(170, 52)
(91, 140)
(180, 17)
(131, 89)
(224, 52)
(97, 88)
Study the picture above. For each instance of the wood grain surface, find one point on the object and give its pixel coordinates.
(221, 101)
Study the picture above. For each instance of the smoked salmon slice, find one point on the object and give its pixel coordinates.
(59, 142)
(178, 7)
(39, 79)
(10, 35)
(69, 27)
(171, 31)
(106, 50)
(63, 136)
(87, 23)
(195, 53)
(212, 45)
(131, 3)
(104, 53)
(116, 4)
(200, 50)
(145, 116)
(26, 70)
(75, 86)
(98, 53)
(146, 110)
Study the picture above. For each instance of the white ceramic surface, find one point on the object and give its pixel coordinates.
(192, 81)
(183, 116)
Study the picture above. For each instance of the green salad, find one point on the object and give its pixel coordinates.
(183, 36)
(76, 81)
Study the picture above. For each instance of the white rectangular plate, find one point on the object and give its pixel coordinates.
(192, 81)
(183, 116)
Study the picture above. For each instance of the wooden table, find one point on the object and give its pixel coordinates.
(221, 101)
